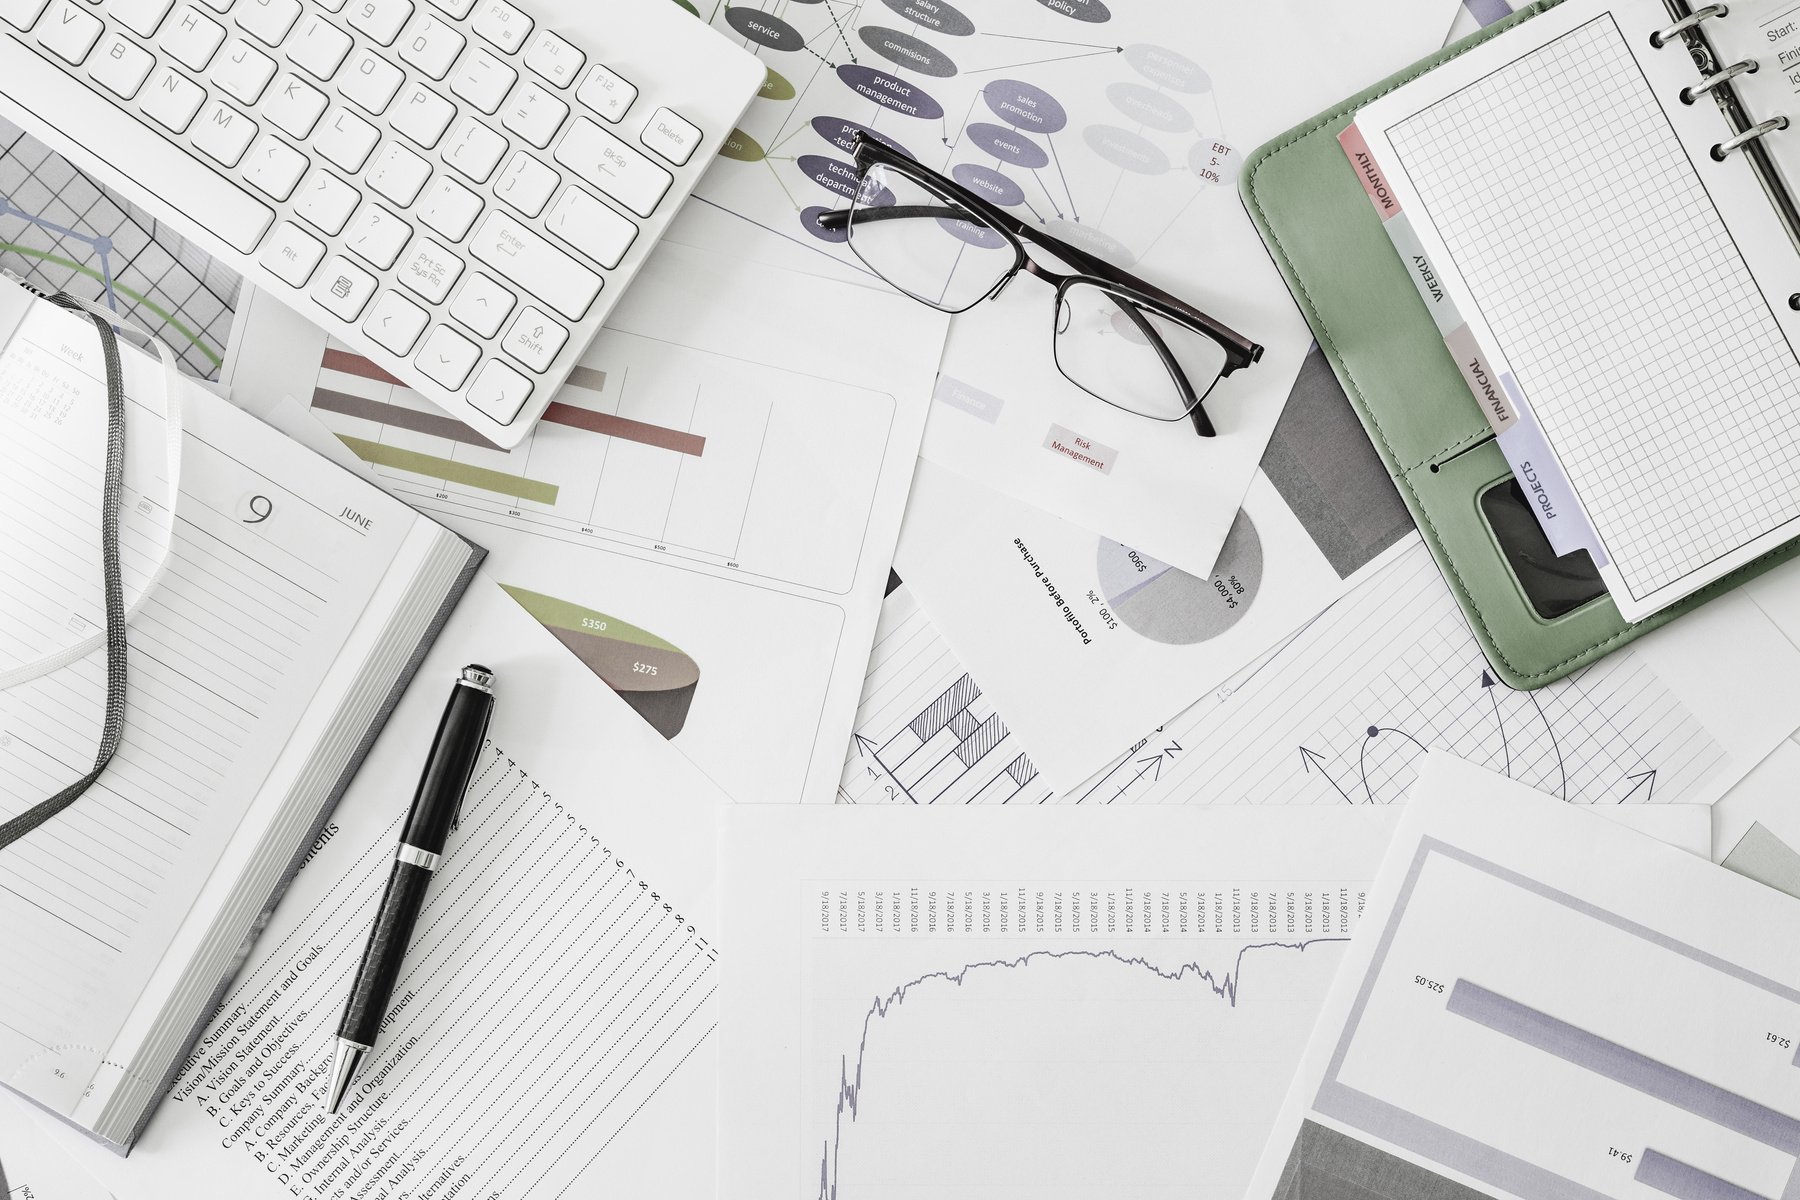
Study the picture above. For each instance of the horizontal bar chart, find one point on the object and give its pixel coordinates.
(1624, 1065)
(434, 467)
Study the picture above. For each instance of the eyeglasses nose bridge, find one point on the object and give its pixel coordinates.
(1001, 286)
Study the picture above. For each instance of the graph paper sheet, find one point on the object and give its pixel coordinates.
(1593, 250)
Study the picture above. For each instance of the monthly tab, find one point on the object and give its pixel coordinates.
(1369, 171)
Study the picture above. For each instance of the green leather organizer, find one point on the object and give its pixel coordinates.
(1373, 328)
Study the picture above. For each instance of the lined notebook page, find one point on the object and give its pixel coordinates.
(1623, 305)
(222, 662)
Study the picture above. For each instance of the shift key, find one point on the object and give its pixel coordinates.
(613, 167)
(535, 265)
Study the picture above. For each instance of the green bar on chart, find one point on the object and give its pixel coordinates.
(433, 467)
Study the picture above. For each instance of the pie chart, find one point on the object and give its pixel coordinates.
(1170, 606)
(650, 674)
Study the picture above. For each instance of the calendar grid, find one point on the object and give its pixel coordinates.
(1620, 300)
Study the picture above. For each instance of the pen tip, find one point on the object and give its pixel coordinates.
(344, 1065)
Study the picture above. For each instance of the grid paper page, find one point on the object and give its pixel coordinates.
(1619, 299)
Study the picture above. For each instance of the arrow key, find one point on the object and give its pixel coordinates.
(499, 391)
(482, 305)
(395, 323)
(447, 356)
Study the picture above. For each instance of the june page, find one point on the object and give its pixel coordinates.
(275, 552)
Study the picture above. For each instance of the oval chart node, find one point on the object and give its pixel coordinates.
(648, 673)
(1091, 11)
(1170, 606)
(775, 86)
(1149, 107)
(742, 147)
(890, 91)
(1007, 145)
(1166, 68)
(1126, 149)
(908, 52)
(840, 133)
(988, 183)
(765, 29)
(1025, 105)
(934, 15)
(809, 219)
(1094, 241)
(829, 173)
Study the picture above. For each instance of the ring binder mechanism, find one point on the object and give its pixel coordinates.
(1688, 27)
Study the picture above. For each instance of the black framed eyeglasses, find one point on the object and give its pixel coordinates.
(1118, 338)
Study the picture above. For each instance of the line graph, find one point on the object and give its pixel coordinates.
(1223, 986)
(1053, 1040)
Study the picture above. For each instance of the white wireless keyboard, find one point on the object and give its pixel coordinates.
(460, 188)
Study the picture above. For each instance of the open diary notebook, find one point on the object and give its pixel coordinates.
(1593, 208)
(297, 601)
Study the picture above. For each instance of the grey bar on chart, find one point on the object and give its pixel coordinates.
(1675, 1178)
(1625, 1066)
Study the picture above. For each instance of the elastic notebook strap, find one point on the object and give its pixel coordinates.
(113, 724)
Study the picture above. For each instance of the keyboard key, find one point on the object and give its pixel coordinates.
(380, 20)
(120, 66)
(533, 264)
(457, 9)
(534, 114)
(447, 356)
(223, 133)
(449, 208)
(398, 174)
(268, 21)
(370, 81)
(474, 149)
(430, 270)
(534, 339)
(671, 136)
(142, 17)
(483, 80)
(326, 202)
(68, 32)
(526, 184)
(591, 227)
(243, 72)
(615, 168)
(191, 38)
(23, 14)
(204, 197)
(291, 253)
(345, 139)
(499, 391)
(319, 48)
(608, 94)
(274, 167)
(502, 24)
(421, 115)
(395, 323)
(431, 46)
(377, 235)
(343, 288)
(171, 100)
(482, 304)
(554, 59)
(294, 106)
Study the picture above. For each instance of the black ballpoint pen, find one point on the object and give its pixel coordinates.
(434, 808)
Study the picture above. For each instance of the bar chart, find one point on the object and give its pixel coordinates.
(669, 449)
(1681, 1065)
